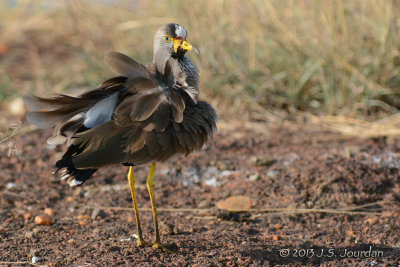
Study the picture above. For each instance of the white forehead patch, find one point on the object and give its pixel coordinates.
(180, 31)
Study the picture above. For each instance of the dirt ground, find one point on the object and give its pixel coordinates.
(336, 199)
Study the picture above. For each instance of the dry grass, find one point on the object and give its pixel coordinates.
(388, 126)
(325, 57)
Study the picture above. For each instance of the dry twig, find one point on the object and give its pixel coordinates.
(352, 210)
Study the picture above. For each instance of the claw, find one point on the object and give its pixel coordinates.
(162, 246)
(142, 243)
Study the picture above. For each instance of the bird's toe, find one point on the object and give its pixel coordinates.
(142, 243)
(162, 246)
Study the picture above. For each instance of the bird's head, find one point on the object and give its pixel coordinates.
(172, 39)
(170, 42)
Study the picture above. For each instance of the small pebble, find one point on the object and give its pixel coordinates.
(131, 219)
(278, 226)
(235, 203)
(252, 161)
(204, 204)
(83, 217)
(276, 237)
(28, 234)
(254, 177)
(261, 161)
(27, 216)
(221, 165)
(372, 220)
(35, 259)
(70, 199)
(273, 173)
(211, 182)
(377, 241)
(98, 213)
(204, 212)
(11, 185)
(49, 211)
(350, 232)
(167, 229)
(43, 220)
(71, 241)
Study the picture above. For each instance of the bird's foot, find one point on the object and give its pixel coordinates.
(163, 247)
(142, 243)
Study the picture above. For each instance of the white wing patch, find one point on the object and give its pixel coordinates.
(102, 111)
(180, 31)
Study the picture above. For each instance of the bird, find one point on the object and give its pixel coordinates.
(146, 114)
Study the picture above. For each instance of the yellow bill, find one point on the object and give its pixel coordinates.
(184, 45)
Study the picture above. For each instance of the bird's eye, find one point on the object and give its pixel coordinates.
(167, 38)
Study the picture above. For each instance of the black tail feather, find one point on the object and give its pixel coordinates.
(64, 162)
(77, 177)
(74, 176)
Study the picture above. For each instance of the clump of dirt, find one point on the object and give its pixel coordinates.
(317, 198)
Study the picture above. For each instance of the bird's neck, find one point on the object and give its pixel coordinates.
(180, 70)
(191, 71)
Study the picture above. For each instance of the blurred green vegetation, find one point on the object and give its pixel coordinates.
(324, 57)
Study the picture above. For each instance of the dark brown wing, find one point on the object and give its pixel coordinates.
(142, 98)
(125, 140)
(194, 131)
(124, 65)
(70, 115)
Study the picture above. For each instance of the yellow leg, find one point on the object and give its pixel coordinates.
(132, 180)
(150, 186)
